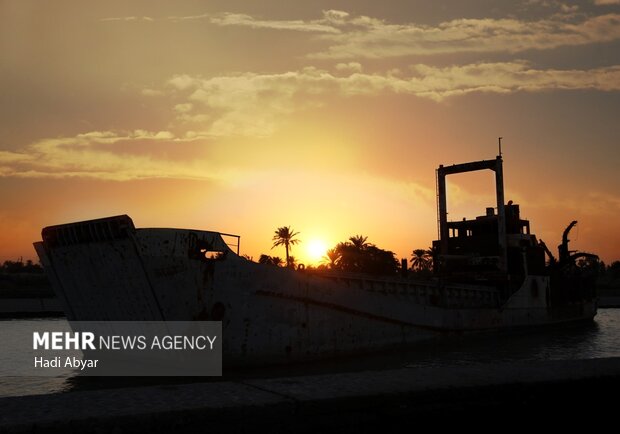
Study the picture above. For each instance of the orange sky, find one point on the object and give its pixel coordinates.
(328, 117)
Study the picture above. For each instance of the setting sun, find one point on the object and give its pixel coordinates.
(316, 250)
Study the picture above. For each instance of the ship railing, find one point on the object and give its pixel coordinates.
(425, 292)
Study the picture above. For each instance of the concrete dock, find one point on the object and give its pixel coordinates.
(349, 402)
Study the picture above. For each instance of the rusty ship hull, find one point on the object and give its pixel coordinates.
(270, 314)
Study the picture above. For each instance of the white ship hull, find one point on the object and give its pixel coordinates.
(271, 314)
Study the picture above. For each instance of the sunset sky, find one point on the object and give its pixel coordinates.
(328, 116)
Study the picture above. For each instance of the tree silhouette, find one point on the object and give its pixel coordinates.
(359, 241)
(270, 260)
(421, 259)
(285, 236)
(357, 255)
(331, 258)
(292, 261)
(15, 267)
(349, 256)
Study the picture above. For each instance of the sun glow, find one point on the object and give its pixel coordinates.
(316, 250)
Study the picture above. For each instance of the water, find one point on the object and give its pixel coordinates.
(598, 339)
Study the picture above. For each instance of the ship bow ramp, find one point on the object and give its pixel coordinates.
(106, 269)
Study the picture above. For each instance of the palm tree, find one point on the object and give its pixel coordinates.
(277, 261)
(432, 257)
(420, 259)
(292, 261)
(359, 241)
(331, 257)
(359, 256)
(285, 236)
(270, 260)
(356, 252)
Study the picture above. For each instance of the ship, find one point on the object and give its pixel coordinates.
(489, 273)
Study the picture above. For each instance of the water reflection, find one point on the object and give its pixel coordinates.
(597, 339)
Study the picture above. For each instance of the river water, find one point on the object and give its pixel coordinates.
(597, 339)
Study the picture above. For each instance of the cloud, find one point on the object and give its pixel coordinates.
(364, 37)
(244, 20)
(183, 108)
(587, 203)
(8, 157)
(90, 155)
(350, 66)
(554, 4)
(228, 19)
(144, 19)
(253, 104)
(354, 37)
(247, 104)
